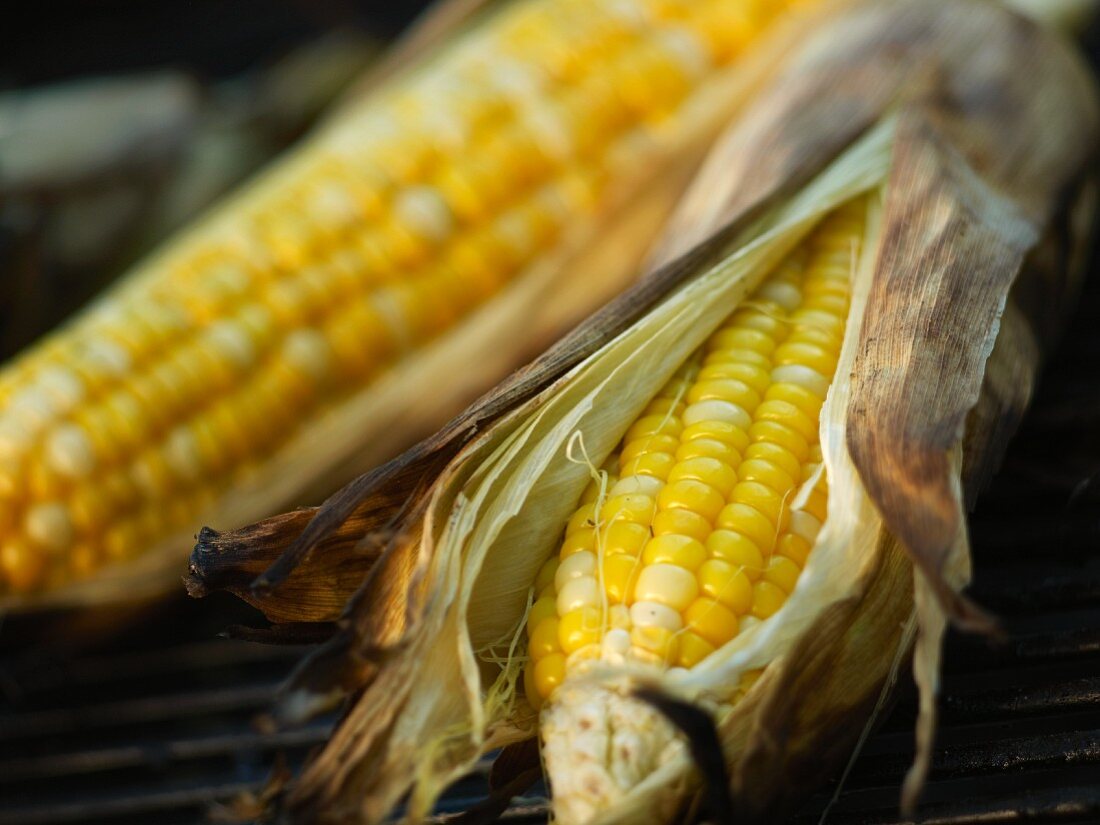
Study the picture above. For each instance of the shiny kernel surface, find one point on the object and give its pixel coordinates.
(711, 620)
(625, 538)
(680, 522)
(691, 495)
(699, 540)
(681, 551)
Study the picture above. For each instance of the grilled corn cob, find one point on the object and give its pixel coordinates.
(742, 485)
(396, 223)
(703, 527)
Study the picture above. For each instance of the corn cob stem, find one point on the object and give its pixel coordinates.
(410, 212)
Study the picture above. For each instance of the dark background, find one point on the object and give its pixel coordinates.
(52, 40)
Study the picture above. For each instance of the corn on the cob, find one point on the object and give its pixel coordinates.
(699, 532)
(413, 209)
(677, 576)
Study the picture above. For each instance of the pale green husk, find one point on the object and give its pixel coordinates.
(497, 518)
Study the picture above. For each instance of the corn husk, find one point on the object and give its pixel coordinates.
(593, 262)
(978, 167)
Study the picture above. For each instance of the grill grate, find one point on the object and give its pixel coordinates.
(161, 722)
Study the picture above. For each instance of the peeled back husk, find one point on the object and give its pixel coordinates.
(977, 167)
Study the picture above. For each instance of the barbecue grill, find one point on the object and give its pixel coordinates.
(167, 718)
(163, 719)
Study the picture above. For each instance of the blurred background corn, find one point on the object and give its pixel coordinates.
(715, 496)
(405, 215)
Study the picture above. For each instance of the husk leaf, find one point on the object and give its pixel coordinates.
(978, 164)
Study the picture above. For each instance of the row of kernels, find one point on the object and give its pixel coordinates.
(191, 372)
(195, 453)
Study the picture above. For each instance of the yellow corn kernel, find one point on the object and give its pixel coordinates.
(681, 523)
(741, 338)
(651, 425)
(24, 566)
(543, 608)
(763, 499)
(579, 629)
(661, 642)
(779, 433)
(549, 673)
(725, 389)
(576, 566)
(693, 496)
(657, 465)
(633, 507)
(750, 522)
(624, 537)
(693, 649)
(777, 456)
(578, 541)
(681, 551)
(810, 355)
(710, 471)
(708, 448)
(740, 551)
(782, 572)
(545, 638)
(767, 598)
(579, 592)
(736, 437)
(752, 375)
(817, 504)
(766, 473)
(547, 573)
(620, 573)
(583, 519)
(666, 584)
(787, 414)
(711, 620)
(725, 583)
(794, 547)
(632, 449)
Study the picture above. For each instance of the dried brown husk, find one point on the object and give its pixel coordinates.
(595, 260)
(980, 167)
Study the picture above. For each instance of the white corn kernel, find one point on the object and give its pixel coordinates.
(654, 614)
(618, 617)
(687, 49)
(307, 351)
(648, 485)
(616, 641)
(108, 358)
(181, 451)
(423, 210)
(49, 526)
(786, 295)
(575, 566)
(231, 341)
(668, 584)
(578, 593)
(805, 525)
(70, 451)
(715, 409)
(64, 386)
(802, 376)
